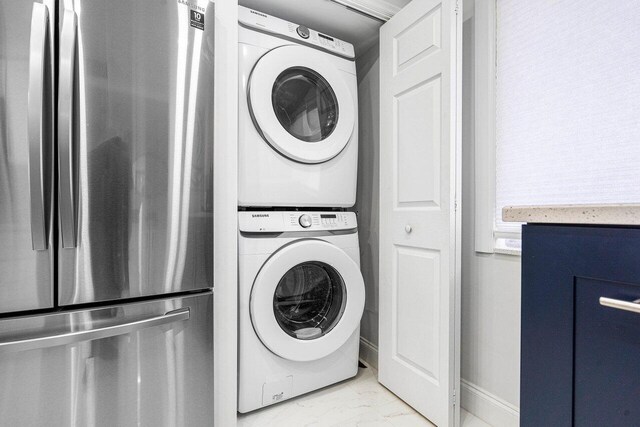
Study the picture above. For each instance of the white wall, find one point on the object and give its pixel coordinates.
(490, 283)
(490, 293)
(367, 205)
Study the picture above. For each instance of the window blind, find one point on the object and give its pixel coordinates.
(567, 103)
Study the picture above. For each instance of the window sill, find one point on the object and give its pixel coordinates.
(508, 246)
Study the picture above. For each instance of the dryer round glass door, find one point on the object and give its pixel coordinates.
(301, 104)
(307, 300)
(305, 104)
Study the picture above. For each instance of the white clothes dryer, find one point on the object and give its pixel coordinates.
(301, 298)
(298, 114)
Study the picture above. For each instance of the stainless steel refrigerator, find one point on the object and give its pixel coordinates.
(106, 214)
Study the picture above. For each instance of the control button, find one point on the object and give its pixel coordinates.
(305, 221)
(303, 32)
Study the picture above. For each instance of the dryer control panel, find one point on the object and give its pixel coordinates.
(270, 24)
(283, 221)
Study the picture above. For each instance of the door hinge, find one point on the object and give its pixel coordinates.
(454, 397)
(457, 7)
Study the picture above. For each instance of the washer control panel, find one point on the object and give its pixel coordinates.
(270, 24)
(283, 221)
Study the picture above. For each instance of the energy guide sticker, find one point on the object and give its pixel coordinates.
(197, 19)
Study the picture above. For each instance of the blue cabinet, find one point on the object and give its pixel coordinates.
(580, 360)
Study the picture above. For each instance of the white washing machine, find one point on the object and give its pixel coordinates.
(301, 298)
(298, 102)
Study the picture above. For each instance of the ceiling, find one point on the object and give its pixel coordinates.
(327, 17)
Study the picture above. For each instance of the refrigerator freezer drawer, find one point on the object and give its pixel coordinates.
(138, 364)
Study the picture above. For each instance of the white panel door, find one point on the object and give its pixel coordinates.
(419, 221)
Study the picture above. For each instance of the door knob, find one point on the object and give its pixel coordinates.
(408, 228)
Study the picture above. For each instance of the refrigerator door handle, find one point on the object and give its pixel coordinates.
(93, 334)
(38, 122)
(66, 135)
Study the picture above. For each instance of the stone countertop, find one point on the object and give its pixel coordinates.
(622, 214)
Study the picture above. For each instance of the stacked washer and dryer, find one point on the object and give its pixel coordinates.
(301, 293)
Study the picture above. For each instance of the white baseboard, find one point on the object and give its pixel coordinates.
(369, 353)
(488, 407)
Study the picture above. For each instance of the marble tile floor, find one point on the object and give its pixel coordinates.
(360, 402)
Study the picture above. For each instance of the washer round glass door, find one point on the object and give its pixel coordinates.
(301, 104)
(307, 300)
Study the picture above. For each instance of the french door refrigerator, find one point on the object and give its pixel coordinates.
(106, 234)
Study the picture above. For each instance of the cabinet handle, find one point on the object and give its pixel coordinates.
(633, 306)
(408, 229)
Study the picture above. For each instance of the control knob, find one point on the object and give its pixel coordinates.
(305, 221)
(303, 31)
